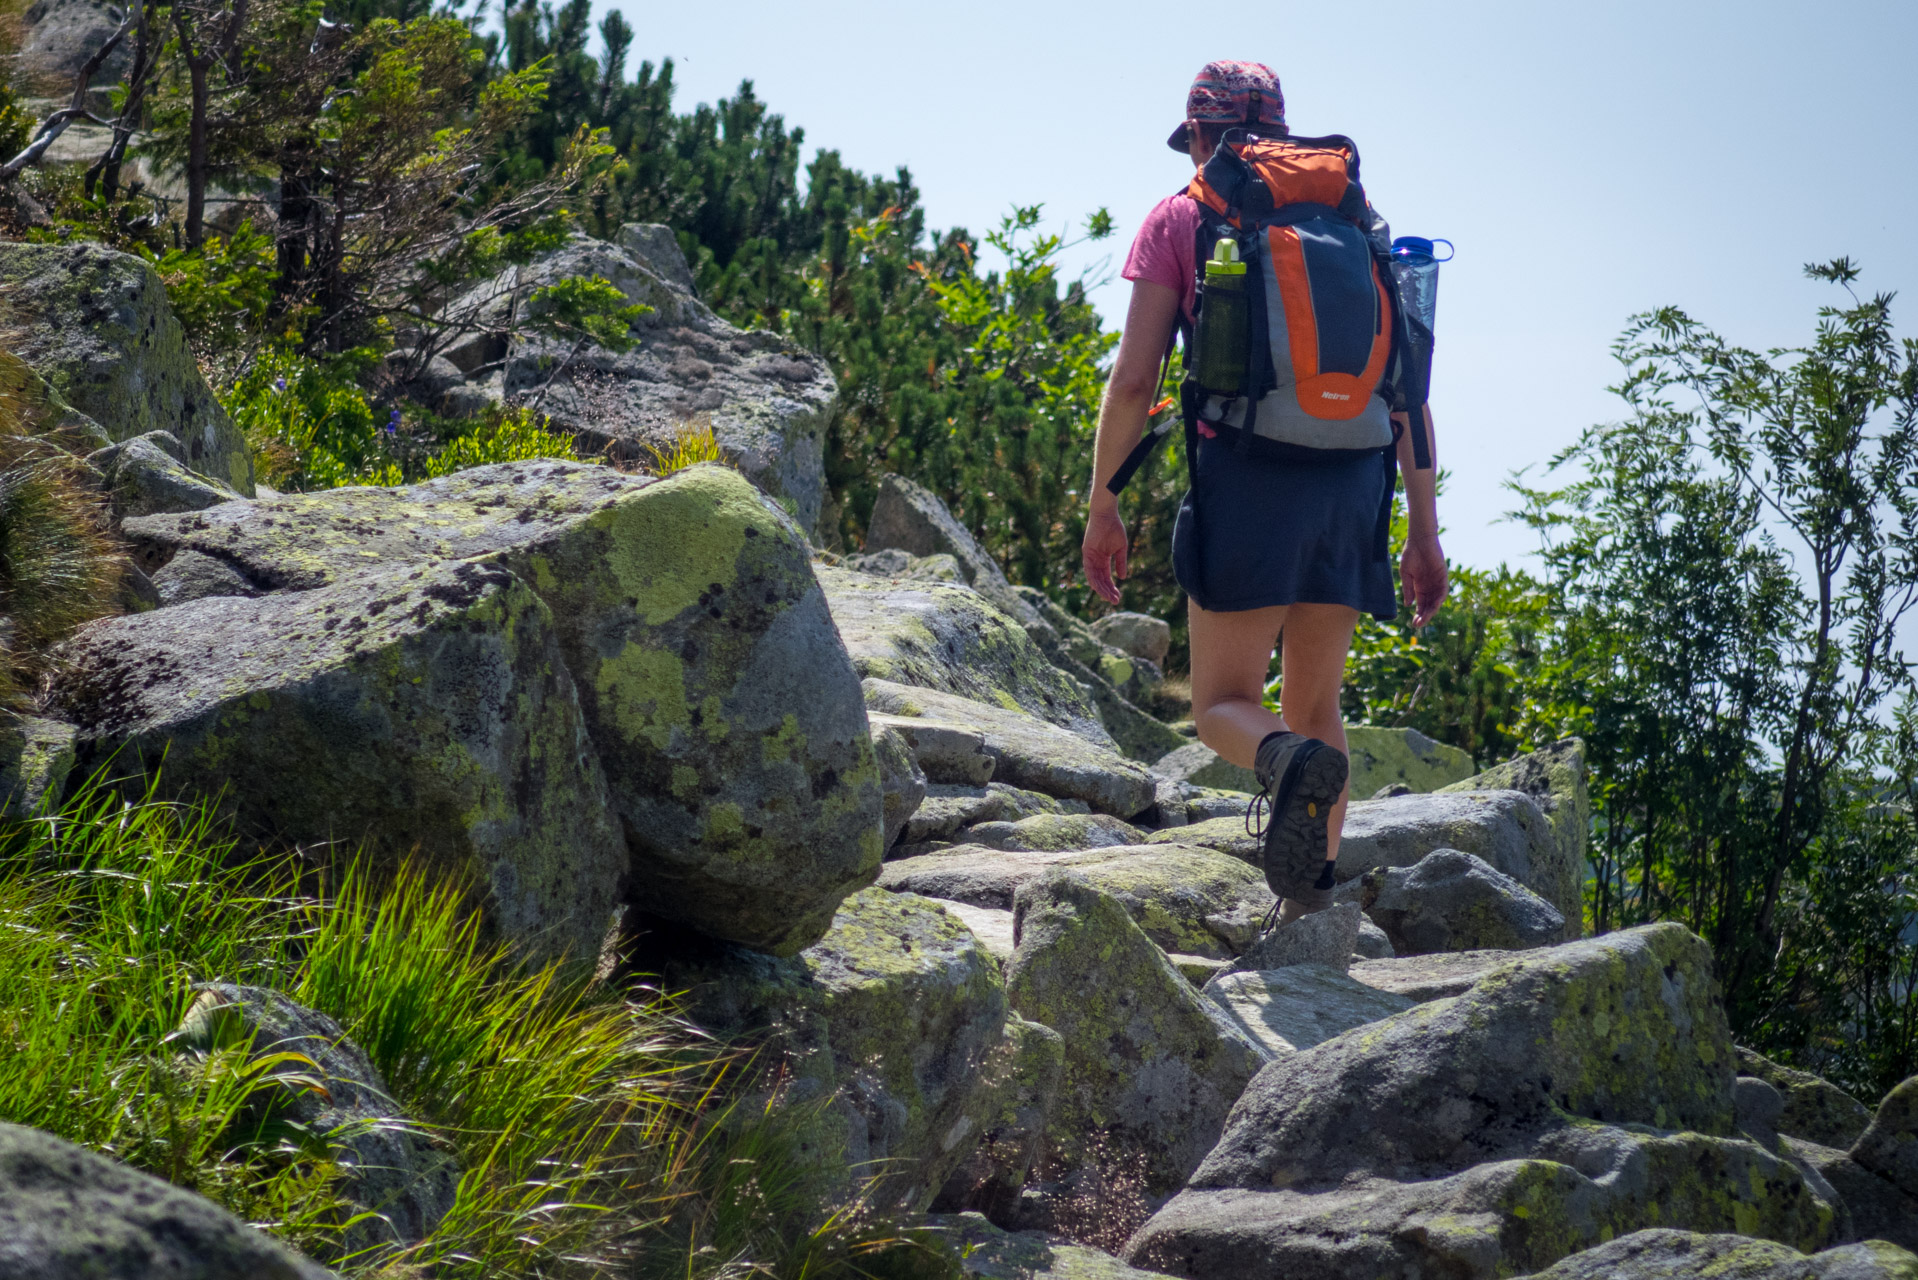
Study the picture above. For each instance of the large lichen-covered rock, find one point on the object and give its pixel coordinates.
(62, 36)
(765, 398)
(1381, 757)
(36, 758)
(1432, 977)
(1028, 752)
(1226, 835)
(690, 621)
(902, 783)
(894, 1015)
(147, 475)
(1815, 1109)
(393, 1171)
(1452, 901)
(1504, 828)
(424, 711)
(1497, 1219)
(1187, 900)
(1119, 684)
(65, 1211)
(1054, 832)
(1201, 766)
(1873, 1208)
(1889, 1146)
(1555, 776)
(1021, 1082)
(96, 325)
(1666, 1254)
(909, 517)
(1150, 1072)
(1138, 634)
(1576, 1093)
(1281, 1011)
(986, 1252)
(953, 640)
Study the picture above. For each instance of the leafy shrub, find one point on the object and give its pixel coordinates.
(500, 435)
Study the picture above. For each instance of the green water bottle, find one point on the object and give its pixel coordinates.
(1223, 333)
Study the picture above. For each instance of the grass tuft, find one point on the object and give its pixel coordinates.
(689, 446)
(600, 1134)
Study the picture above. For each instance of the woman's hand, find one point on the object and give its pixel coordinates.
(1104, 551)
(1421, 570)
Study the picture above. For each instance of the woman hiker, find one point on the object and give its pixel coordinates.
(1282, 543)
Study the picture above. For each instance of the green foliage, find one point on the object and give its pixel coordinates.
(222, 292)
(690, 446)
(311, 426)
(598, 1133)
(1470, 678)
(1729, 576)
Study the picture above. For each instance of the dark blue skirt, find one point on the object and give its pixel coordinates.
(1256, 532)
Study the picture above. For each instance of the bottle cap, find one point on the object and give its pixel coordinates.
(1420, 247)
(1225, 259)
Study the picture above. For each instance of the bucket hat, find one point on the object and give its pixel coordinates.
(1231, 92)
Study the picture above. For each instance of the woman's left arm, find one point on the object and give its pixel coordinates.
(1422, 566)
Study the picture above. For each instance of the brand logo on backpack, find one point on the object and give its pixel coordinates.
(1296, 347)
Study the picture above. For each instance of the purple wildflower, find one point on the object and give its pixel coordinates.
(279, 384)
(393, 424)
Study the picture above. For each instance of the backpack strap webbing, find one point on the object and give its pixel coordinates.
(1154, 436)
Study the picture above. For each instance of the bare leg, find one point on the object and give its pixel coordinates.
(1231, 653)
(1317, 637)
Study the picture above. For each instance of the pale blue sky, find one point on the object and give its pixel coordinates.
(1589, 161)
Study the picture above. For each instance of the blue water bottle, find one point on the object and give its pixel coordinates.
(1415, 266)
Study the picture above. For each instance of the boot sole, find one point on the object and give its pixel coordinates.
(1295, 840)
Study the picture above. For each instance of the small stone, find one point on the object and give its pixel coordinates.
(1053, 832)
(1373, 944)
(948, 754)
(1139, 634)
(1756, 1106)
(1325, 937)
(1452, 901)
(1815, 1109)
(902, 784)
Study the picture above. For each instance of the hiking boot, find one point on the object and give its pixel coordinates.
(1300, 779)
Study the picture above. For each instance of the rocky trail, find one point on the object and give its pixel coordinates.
(947, 848)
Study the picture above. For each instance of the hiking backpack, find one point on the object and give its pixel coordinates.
(1317, 358)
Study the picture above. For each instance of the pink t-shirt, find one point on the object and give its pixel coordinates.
(1165, 249)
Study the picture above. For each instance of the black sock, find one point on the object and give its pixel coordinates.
(1325, 880)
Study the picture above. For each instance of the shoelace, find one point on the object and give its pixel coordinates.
(1255, 814)
(1271, 920)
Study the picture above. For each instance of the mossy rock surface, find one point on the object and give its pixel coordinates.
(1666, 1254)
(1815, 1110)
(1150, 1068)
(1282, 1011)
(425, 710)
(1506, 829)
(1557, 778)
(689, 619)
(1889, 1146)
(36, 758)
(890, 1021)
(1053, 832)
(1187, 900)
(67, 1212)
(1021, 1080)
(1029, 752)
(1381, 757)
(953, 640)
(910, 518)
(986, 1252)
(1502, 1218)
(1573, 1094)
(96, 325)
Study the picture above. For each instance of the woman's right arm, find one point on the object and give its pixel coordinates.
(1130, 391)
